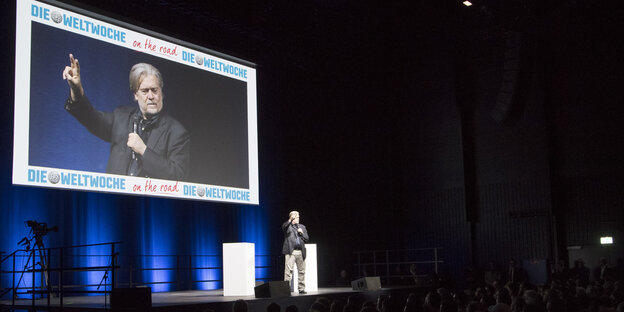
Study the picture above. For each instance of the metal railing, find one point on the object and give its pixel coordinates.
(46, 269)
(395, 264)
(184, 270)
(63, 272)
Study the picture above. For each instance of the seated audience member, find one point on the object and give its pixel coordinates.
(559, 272)
(413, 303)
(273, 307)
(318, 307)
(499, 307)
(580, 272)
(432, 302)
(337, 306)
(514, 273)
(491, 274)
(604, 272)
(240, 306)
(475, 307)
(352, 305)
(517, 304)
(292, 308)
(556, 305)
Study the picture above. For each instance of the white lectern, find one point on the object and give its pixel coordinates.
(239, 269)
(311, 272)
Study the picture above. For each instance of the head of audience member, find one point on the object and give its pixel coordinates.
(413, 269)
(352, 305)
(499, 307)
(337, 306)
(512, 288)
(448, 306)
(532, 307)
(475, 307)
(432, 301)
(532, 297)
(292, 308)
(318, 307)
(273, 307)
(502, 296)
(324, 301)
(240, 305)
(380, 301)
(517, 304)
(556, 305)
(444, 293)
(368, 303)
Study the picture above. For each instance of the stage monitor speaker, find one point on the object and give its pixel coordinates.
(131, 299)
(366, 283)
(272, 290)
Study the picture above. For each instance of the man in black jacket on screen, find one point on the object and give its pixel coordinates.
(145, 141)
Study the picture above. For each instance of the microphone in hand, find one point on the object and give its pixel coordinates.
(135, 124)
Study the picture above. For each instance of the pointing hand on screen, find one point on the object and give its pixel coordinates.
(72, 75)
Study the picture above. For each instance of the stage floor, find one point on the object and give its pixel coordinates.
(198, 300)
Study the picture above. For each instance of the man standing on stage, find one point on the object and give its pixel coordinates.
(295, 236)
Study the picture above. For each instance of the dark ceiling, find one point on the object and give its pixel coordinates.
(304, 31)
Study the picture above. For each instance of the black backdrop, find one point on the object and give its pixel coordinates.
(360, 128)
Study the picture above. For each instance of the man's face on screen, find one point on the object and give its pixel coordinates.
(149, 96)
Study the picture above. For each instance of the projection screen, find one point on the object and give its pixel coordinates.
(201, 145)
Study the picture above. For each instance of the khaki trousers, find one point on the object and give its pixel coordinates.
(295, 257)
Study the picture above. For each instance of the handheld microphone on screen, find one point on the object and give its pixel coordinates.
(135, 123)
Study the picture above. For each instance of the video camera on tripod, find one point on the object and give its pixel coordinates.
(40, 228)
(37, 231)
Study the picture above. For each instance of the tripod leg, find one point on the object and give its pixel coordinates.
(44, 268)
(22, 275)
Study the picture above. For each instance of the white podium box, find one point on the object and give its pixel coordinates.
(239, 269)
(311, 272)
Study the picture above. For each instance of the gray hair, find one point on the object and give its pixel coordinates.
(293, 213)
(139, 71)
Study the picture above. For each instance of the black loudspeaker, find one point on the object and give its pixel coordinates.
(131, 299)
(366, 283)
(272, 290)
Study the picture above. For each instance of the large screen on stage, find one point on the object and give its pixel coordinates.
(157, 116)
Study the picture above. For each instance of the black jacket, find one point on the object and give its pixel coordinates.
(290, 238)
(168, 148)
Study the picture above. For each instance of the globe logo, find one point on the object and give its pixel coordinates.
(201, 191)
(199, 60)
(57, 17)
(54, 177)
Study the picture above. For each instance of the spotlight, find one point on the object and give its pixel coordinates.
(467, 3)
(606, 240)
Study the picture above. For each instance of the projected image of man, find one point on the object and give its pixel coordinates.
(295, 237)
(145, 141)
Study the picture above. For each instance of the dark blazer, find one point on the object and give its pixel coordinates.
(168, 148)
(290, 238)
